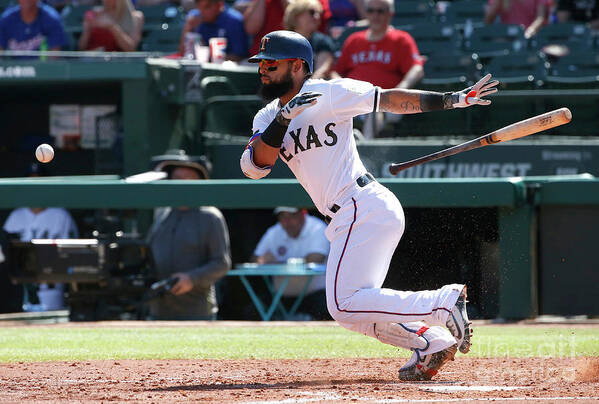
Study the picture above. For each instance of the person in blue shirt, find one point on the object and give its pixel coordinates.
(212, 18)
(29, 24)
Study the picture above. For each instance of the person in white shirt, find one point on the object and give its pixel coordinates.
(297, 235)
(32, 223)
(39, 222)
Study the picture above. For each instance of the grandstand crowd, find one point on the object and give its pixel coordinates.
(487, 28)
(441, 46)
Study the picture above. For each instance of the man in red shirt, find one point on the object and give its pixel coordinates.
(382, 55)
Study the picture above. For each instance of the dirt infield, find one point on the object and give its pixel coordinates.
(318, 380)
(291, 381)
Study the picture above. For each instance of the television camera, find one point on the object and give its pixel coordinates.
(107, 278)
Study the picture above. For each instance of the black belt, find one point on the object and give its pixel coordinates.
(362, 181)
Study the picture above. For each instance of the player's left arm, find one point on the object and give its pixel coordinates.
(262, 151)
(404, 101)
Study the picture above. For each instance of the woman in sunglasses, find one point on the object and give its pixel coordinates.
(304, 17)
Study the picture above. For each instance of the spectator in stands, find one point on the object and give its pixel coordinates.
(212, 18)
(149, 3)
(114, 27)
(31, 26)
(190, 244)
(297, 235)
(382, 55)
(303, 16)
(346, 12)
(40, 222)
(264, 16)
(579, 11)
(531, 14)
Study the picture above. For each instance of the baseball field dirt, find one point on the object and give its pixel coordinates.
(313, 380)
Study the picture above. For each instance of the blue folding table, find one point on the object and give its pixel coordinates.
(265, 271)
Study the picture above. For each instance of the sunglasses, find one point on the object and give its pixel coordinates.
(271, 65)
(377, 11)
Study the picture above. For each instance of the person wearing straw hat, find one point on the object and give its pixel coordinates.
(190, 244)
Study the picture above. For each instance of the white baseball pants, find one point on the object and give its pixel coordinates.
(364, 233)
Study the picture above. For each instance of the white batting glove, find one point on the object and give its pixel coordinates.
(473, 95)
(296, 105)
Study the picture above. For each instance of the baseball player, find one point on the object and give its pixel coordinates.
(308, 125)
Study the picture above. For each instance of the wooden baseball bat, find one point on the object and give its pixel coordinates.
(516, 130)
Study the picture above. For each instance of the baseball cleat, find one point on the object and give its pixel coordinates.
(424, 367)
(458, 323)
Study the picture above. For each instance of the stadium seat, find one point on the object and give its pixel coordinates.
(245, 82)
(213, 86)
(576, 70)
(461, 11)
(443, 72)
(157, 15)
(163, 40)
(456, 122)
(524, 71)
(412, 12)
(229, 114)
(72, 17)
(435, 38)
(495, 40)
(577, 37)
(450, 71)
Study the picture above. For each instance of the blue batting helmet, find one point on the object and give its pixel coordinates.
(282, 44)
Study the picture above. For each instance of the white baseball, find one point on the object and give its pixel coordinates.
(44, 153)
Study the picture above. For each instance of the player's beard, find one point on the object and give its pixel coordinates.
(277, 89)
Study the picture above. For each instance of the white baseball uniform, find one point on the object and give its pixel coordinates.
(320, 150)
(49, 223)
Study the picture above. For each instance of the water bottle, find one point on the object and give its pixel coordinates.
(43, 48)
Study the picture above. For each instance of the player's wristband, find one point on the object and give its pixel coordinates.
(274, 134)
(432, 101)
